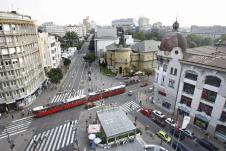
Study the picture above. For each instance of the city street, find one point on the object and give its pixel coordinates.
(55, 132)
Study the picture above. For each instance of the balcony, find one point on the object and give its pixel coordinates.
(223, 117)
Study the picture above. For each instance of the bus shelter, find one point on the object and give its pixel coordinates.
(115, 124)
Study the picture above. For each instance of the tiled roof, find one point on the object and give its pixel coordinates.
(208, 55)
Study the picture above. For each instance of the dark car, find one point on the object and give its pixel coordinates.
(158, 121)
(178, 134)
(144, 84)
(178, 147)
(208, 145)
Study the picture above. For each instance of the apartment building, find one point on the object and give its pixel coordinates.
(21, 68)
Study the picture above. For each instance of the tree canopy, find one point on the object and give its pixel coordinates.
(197, 41)
(55, 75)
(89, 57)
(154, 35)
(70, 39)
(67, 61)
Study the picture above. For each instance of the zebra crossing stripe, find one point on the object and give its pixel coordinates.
(64, 139)
(68, 139)
(54, 145)
(21, 119)
(62, 133)
(129, 106)
(50, 145)
(48, 139)
(44, 140)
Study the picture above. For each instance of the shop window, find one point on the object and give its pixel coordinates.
(213, 81)
(201, 123)
(209, 95)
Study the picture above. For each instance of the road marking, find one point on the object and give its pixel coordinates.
(129, 106)
(61, 136)
(57, 138)
(51, 143)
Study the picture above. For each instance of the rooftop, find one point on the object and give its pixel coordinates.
(114, 121)
(207, 55)
(14, 15)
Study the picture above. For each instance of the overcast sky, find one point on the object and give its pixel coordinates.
(188, 12)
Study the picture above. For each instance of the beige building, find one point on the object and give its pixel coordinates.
(21, 69)
(140, 57)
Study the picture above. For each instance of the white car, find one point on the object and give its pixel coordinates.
(171, 122)
(153, 147)
(158, 113)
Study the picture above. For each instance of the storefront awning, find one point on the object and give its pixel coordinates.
(201, 117)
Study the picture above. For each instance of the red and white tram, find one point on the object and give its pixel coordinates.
(76, 101)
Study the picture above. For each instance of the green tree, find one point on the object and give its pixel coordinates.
(67, 61)
(220, 40)
(197, 41)
(55, 75)
(139, 35)
(89, 57)
(71, 39)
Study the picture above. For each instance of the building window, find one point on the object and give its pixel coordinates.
(205, 108)
(163, 79)
(171, 83)
(164, 67)
(171, 70)
(188, 88)
(175, 72)
(191, 76)
(223, 117)
(185, 100)
(212, 80)
(162, 93)
(156, 77)
(209, 96)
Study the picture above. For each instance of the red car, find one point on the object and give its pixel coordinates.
(146, 112)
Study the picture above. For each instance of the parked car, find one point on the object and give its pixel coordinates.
(159, 121)
(164, 136)
(206, 144)
(159, 114)
(153, 147)
(177, 134)
(188, 133)
(89, 105)
(178, 146)
(144, 84)
(170, 122)
(146, 112)
(130, 93)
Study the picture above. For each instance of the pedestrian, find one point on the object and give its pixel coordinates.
(12, 116)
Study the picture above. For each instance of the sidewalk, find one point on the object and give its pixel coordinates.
(197, 131)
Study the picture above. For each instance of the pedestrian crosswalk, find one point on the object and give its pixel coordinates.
(129, 106)
(62, 96)
(16, 127)
(55, 138)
